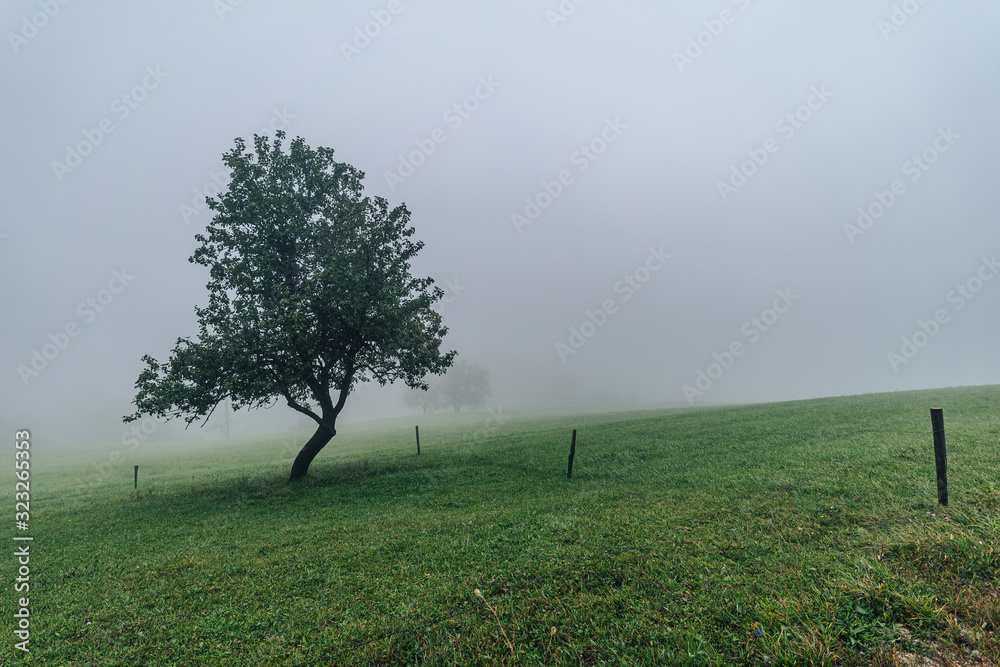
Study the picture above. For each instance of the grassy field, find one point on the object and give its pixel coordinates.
(805, 532)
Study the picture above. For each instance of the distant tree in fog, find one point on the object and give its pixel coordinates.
(425, 400)
(465, 385)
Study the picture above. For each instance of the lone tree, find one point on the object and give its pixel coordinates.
(465, 384)
(310, 294)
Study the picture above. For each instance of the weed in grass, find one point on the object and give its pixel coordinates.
(507, 640)
(548, 646)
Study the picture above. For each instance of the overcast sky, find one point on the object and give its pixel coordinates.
(637, 201)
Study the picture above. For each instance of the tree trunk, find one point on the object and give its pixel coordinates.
(309, 451)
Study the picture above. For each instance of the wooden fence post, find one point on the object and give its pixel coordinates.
(136, 477)
(572, 453)
(940, 454)
(418, 439)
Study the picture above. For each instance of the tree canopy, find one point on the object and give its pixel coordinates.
(310, 294)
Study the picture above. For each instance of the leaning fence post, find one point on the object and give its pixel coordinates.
(572, 452)
(940, 454)
(417, 428)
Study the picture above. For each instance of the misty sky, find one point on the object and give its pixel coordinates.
(615, 196)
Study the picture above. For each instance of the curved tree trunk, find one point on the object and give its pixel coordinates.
(309, 451)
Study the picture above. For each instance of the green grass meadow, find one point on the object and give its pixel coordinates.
(803, 532)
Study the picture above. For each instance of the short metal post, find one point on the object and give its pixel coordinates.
(940, 454)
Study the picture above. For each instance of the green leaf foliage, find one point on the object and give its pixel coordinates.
(310, 294)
